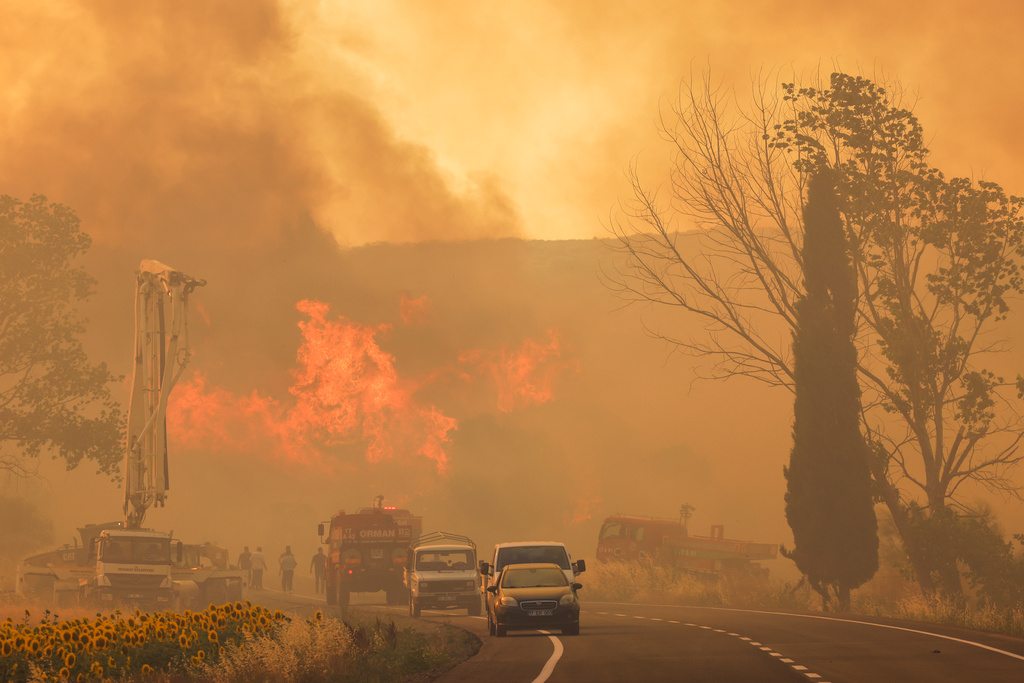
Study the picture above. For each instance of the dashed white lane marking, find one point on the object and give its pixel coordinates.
(855, 621)
(764, 648)
(549, 667)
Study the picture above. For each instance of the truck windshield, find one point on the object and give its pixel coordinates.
(128, 550)
(439, 560)
(532, 554)
(536, 577)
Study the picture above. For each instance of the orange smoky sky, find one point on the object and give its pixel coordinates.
(407, 121)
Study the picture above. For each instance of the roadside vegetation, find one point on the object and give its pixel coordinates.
(234, 642)
(893, 597)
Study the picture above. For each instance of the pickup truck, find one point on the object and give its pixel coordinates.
(441, 573)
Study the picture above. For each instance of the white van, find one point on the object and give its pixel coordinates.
(529, 552)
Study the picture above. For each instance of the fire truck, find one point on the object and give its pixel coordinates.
(668, 542)
(367, 551)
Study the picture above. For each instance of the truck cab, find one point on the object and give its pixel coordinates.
(441, 573)
(132, 566)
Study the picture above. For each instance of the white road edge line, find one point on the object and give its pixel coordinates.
(549, 667)
(848, 621)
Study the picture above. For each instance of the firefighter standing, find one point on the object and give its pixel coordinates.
(245, 564)
(319, 568)
(258, 565)
(287, 563)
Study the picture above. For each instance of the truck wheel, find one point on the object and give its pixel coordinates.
(474, 609)
(414, 609)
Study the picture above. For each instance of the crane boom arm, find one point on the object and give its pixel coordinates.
(161, 354)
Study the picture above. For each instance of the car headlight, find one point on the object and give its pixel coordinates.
(471, 584)
(508, 601)
(567, 599)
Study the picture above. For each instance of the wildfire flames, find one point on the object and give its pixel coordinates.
(346, 390)
(523, 376)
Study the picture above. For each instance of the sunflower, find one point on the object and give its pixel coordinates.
(146, 669)
(69, 661)
(212, 635)
(7, 648)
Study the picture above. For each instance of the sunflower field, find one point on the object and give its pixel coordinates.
(139, 645)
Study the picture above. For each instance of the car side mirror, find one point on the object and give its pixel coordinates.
(581, 566)
(492, 589)
(577, 586)
(320, 529)
(485, 568)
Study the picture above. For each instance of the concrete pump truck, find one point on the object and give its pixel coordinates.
(122, 561)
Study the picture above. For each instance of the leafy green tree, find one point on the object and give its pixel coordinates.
(829, 504)
(51, 398)
(937, 262)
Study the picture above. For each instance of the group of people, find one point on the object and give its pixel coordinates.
(255, 564)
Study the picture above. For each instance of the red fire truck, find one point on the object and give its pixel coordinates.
(667, 541)
(367, 552)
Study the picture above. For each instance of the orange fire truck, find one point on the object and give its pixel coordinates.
(367, 552)
(667, 541)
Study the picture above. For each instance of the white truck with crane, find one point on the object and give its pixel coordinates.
(122, 561)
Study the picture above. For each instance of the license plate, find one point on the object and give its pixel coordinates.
(541, 613)
(448, 598)
(376, 554)
(135, 595)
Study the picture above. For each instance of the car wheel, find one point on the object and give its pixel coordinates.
(500, 630)
(571, 630)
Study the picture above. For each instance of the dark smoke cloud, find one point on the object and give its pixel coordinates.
(199, 122)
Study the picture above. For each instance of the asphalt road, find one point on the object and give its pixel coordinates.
(620, 642)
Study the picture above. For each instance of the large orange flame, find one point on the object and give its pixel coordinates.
(346, 390)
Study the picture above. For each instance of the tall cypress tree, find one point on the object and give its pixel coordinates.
(829, 498)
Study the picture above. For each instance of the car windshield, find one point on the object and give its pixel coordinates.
(536, 577)
(128, 550)
(534, 554)
(439, 560)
